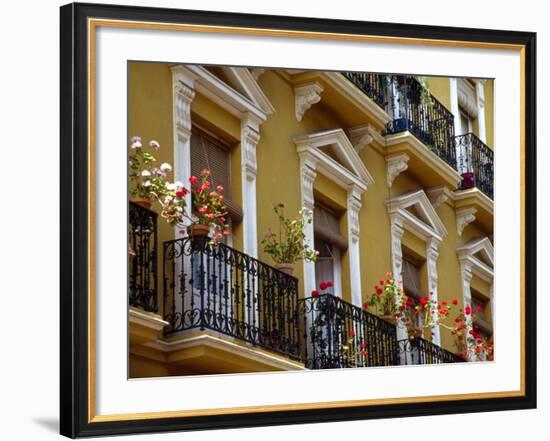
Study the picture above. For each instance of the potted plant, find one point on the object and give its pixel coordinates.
(209, 217)
(288, 246)
(387, 299)
(146, 180)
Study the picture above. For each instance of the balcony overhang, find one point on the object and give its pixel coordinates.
(144, 326)
(345, 100)
(475, 198)
(423, 164)
(207, 352)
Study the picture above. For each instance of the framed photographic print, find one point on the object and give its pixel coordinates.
(275, 220)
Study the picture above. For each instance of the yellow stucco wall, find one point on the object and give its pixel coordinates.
(278, 178)
(489, 90)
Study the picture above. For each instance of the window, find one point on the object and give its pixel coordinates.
(208, 151)
(411, 281)
(330, 244)
(465, 123)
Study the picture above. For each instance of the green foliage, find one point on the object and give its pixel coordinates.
(288, 246)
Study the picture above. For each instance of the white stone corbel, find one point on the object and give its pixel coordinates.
(464, 217)
(396, 164)
(306, 95)
(438, 195)
(361, 136)
(353, 209)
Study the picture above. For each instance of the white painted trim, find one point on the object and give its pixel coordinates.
(395, 165)
(469, 264)
(354, 253)
(347, 89)
(397, 207)
(353, 173)
(307, 177)
(424, 154)
(222, 94)
(432, 233)
(480, 92)
(245, 82)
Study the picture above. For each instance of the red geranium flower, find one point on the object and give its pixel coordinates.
(455, 302)
(329, 284)
(323, 286)
(381, 282)
(352, 333)
(314, 293)
(363, 345)
(467, 310)
(379, 291)
(193, 179)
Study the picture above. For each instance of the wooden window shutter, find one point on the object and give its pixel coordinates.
(327, 226)
(411, 277)
(211, 153)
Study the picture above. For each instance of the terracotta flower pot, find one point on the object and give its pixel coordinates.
(142, 202)
(287, 268)
(198, 230)
(414, 332)
(389, 318)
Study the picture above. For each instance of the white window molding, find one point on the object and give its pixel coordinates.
(197, 79)
(306, 95)
(480, 92)
(429, 228)
(350, 173)
(183, 87)
(471, 265)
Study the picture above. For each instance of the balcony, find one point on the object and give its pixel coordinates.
(414, 109)
(216, 291)
(341, 335)
(373, 85)
(142, 250)
(475, 163)
(220, 289)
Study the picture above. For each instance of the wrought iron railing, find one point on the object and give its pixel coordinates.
(373, 85)
(142, 257)
(218, 288)
(475, 163)
(413, 108)
(419, 351)
(338, 334)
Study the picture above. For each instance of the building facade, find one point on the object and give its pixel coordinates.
(397, 171)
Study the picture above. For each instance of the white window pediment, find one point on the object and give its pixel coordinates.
(335, 157)
(242, 80)
(479, 254)
(418, 215)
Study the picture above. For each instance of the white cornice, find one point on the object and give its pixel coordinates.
(355, 95)
(219, 92)
(354, 172)
(397, 208)
(425, 154)
(484, 201)
(246, 84)
(146, 319)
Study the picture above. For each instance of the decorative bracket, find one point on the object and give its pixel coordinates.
(361, 136)
(464, 217)
(395, 165)
(438, 195)
(306, 96)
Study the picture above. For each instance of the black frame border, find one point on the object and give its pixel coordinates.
(74, 219)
